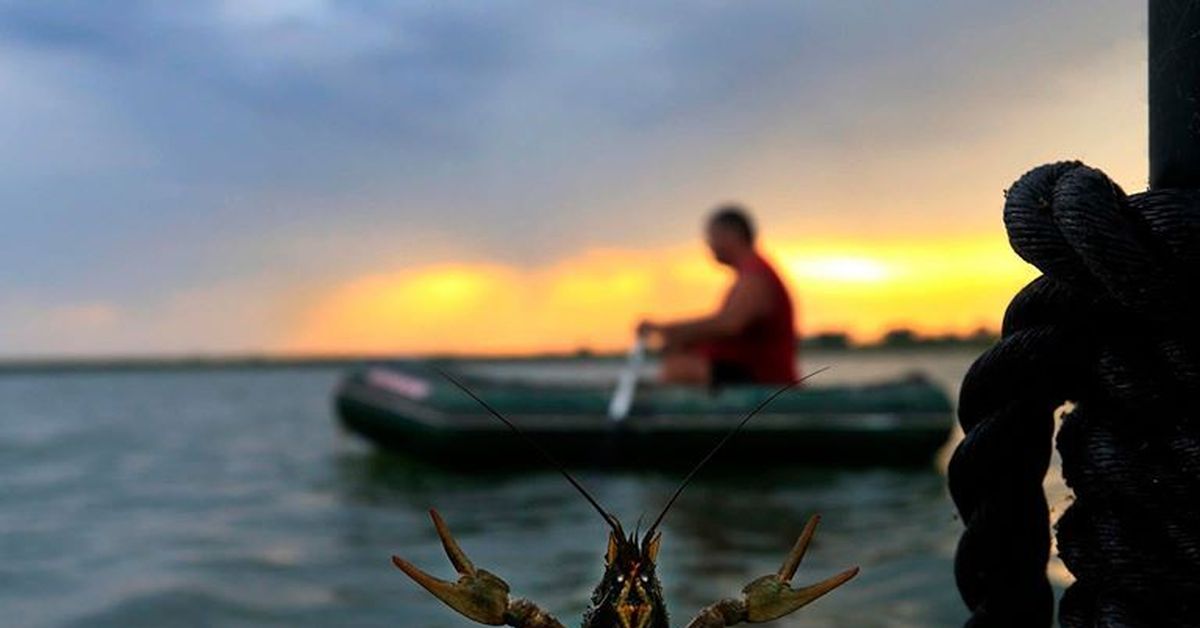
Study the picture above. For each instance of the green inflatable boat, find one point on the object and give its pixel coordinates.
(410, 408)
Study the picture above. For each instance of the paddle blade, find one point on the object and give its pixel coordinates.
(622, 399)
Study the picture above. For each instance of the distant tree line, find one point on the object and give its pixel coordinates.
(900, 338)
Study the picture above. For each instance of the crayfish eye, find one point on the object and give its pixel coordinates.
(620, 577)
(645, 578)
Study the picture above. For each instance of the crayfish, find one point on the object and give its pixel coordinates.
(629, 594)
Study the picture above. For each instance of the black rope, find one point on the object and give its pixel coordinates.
(1110, 326)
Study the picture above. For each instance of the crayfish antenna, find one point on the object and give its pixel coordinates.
(728, 435)
(608, 517)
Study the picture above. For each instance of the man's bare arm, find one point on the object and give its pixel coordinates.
(748, 299)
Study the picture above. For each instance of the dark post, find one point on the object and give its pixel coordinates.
(1174, 94)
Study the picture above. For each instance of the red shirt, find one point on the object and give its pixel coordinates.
(766, 347)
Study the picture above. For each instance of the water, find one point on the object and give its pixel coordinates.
(230, 498)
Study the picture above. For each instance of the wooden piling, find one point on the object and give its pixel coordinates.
(1174, 93)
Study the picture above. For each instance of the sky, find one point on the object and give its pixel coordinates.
(328, 176)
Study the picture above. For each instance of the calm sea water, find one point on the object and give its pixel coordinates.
(231, 498)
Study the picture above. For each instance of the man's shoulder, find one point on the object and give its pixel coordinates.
(753, 263)
(756, 265)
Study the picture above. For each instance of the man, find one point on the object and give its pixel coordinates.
(751, 339)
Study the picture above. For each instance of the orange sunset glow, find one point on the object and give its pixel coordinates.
(594, 299)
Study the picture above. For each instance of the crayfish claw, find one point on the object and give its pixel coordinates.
(806, 595)
(457, 557)
(436, 586)
(477, 594)
(771, 597)
(792, 562)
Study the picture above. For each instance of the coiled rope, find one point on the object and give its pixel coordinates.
(1111, 326)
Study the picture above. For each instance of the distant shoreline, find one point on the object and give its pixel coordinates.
(824, 344)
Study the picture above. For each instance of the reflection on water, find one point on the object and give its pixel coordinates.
(230, 498)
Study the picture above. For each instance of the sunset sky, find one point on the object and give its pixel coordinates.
(320, 176)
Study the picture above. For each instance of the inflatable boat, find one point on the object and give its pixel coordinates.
(410, 408)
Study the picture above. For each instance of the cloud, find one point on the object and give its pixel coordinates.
(229, 317)
(30, 327)
(88, 316)
(149, 149)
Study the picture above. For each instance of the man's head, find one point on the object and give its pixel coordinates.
(730, 233)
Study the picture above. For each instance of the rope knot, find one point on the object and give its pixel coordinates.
(1111, 326)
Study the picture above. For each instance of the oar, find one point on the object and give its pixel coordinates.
(622, 397)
